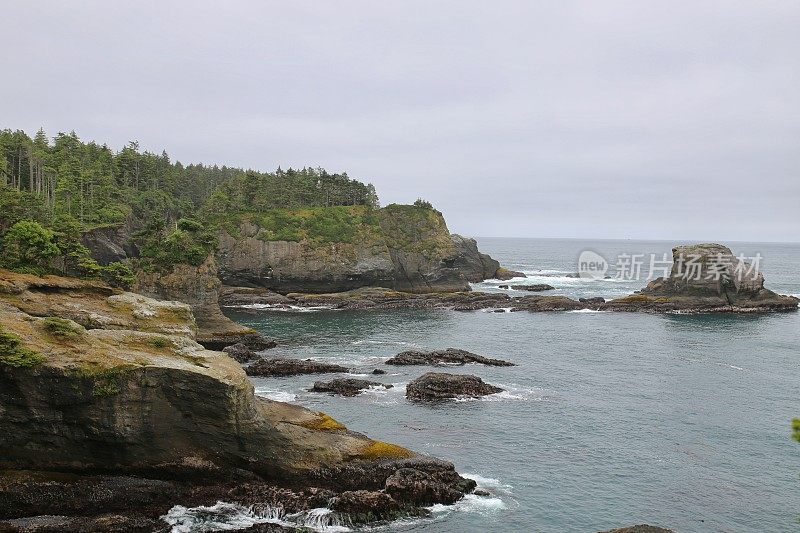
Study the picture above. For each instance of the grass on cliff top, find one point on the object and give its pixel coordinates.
(13, 354)
(407, 227)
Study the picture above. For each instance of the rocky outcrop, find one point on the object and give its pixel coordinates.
(408, 249)
(346, 386)
(199, 287)
(109, 244)
(440, 386)
(449, 356)
(537, 287)
(98, 382)
(706, 278)
(291, 367)
(505, 274)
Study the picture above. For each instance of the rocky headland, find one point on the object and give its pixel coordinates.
(400, 247)
(112, 413)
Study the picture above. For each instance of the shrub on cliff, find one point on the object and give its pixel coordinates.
(28, 247)
(13, 354)
(118, 275)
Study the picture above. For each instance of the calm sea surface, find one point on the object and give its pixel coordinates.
(609, 419)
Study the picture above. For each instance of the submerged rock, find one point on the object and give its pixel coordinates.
(640, 528)
(538, 287)
(346, 386)
(450, 356)
(291, 367)
(378, 371)
(441, 386)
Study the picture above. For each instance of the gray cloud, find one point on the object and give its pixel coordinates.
(579, 119)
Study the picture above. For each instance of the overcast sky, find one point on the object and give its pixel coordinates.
(628, 119)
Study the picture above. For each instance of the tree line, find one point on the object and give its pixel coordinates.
(52, 190)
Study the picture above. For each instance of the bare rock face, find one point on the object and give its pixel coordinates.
(440, 386)
(424, 488)
(450, 356)
(199, 287)
(346, 386)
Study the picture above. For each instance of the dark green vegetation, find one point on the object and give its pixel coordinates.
(13, 354)
(52, 191)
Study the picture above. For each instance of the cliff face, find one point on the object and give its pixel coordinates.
(405, 248)
(97, 381)
(199, 287)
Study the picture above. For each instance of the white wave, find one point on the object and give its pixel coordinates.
(224, 516)
(487, 483)
(585, 311)
(283, 307)
(383, 343)
(276, 395)
(736, 367)
(471, 503)
(497, 309)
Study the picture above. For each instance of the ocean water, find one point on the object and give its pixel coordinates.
(609, 419)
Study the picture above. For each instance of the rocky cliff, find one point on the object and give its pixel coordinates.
(199, 287)
(401, 247)
(95, 381)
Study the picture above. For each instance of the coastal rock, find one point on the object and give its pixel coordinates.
(546, 303)
(440, 386)
(365, 506)
(593, 300)
(109, 244)
(291, 367)
(240, 352)
(706, 278)
(378, 371)
(538, 287)
(197, 286)
(450, 356)
(142, 398)
(405, 248)
(346, 386)
(505, 274)
(423, 488)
